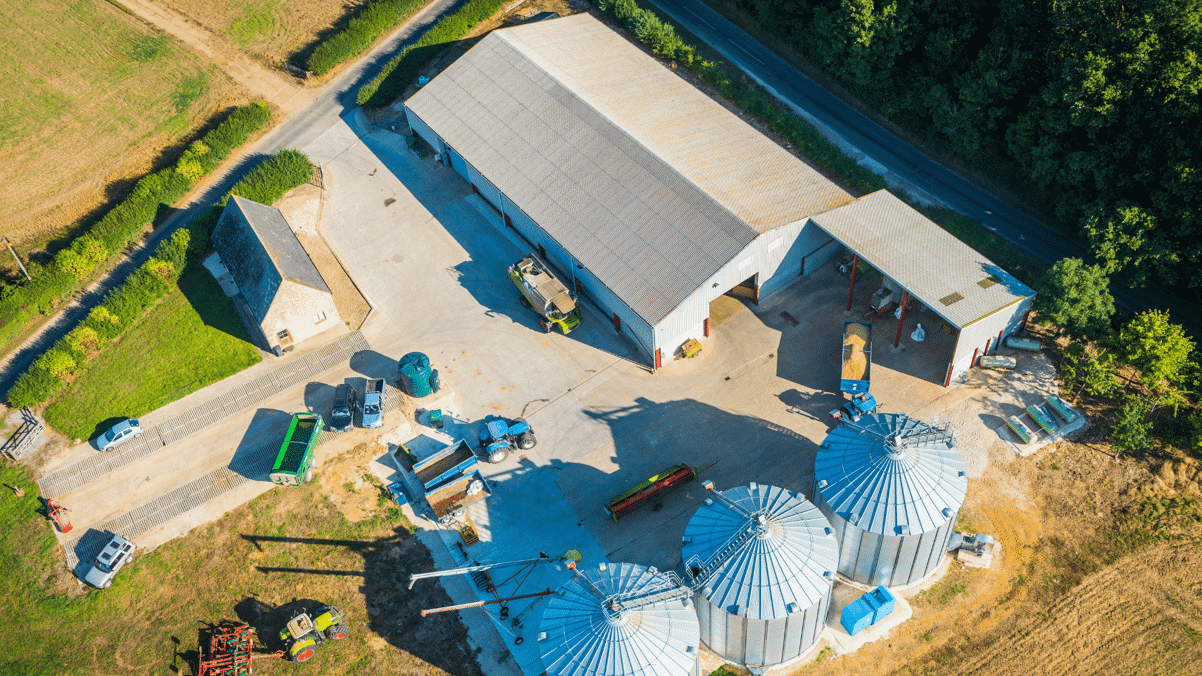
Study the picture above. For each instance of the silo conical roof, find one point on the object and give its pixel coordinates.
(891, 474)
(586, 637)
(787, 565)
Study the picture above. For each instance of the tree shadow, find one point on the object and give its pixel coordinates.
(387, 564)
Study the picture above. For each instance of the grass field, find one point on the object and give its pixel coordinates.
(270, 30)
(90, 96)
(234, 569)
(192, 338)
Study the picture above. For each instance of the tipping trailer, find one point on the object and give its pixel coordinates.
(857, 357)
(546, 295)
(294, 463)
(451, 479)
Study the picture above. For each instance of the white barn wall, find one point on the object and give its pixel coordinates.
(974, 336)
(423, 130)
(775, 256)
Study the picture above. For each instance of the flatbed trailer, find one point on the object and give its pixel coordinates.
(458, 494)
(856, 364)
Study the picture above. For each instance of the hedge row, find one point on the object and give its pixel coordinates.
(404, 67)
(114, 231)
(360, 32)
(663, 40)
(123, 306)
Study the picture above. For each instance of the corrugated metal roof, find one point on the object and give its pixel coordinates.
(585, 639)
(924, 258)
(878, 486)
(612, 154)
(783, 565)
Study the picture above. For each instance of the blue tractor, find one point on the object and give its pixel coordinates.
(861, 404)
(499, 437)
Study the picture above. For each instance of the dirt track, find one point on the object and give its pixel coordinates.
(273, 86)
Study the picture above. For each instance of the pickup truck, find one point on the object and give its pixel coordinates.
(116, 553)
(294, 463)
(373, 403)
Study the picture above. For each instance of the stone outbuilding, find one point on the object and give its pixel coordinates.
(287, 299)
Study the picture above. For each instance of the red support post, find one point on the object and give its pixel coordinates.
(1023, 326)
(998, 344)
(974, 357)
(987, 344)
(756, 300)
(617, 323)
(707, 327)
(901, 320)
(852, 287)
(659, 360)
(948, 380)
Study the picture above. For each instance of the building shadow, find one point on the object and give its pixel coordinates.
(726, 447)
(490, 251)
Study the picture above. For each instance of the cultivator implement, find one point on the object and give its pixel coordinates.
(230, 652)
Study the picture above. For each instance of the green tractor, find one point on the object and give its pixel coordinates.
(303, 634)
(546, 295)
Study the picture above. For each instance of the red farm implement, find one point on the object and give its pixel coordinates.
(649, 490)
(230, 652)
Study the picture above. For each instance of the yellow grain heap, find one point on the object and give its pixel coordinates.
(855, 363)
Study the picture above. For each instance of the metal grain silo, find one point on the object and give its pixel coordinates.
(763, 559)
(892, 487)
(620, 620)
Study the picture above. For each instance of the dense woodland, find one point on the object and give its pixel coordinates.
(1095, 101)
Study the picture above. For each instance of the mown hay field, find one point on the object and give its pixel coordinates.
(91, 95)
(269, 30)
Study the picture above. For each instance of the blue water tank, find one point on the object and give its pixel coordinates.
(414, 372)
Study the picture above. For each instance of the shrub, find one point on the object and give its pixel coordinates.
(174, 250)
(58, 362)
(277, 175)
(82, 340)
(403, 68)
(359, 33)
(33, 387)
(83, 256)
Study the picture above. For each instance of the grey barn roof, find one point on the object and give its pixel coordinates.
(645, 180)
(947, 275)
(261, 251)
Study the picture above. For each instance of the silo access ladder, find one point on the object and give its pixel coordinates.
(700, 572)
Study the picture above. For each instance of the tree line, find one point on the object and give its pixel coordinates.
(1095, 101)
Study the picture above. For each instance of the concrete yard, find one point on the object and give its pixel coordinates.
(752, 406)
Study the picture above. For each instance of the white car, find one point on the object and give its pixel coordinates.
(119, 434)
(111, 559)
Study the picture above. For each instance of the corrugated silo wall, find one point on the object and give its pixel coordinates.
(889, 560)
(985, 330)
(777, 255)
(753, 642)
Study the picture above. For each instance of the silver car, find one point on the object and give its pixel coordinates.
(111, 559)
(119, 434)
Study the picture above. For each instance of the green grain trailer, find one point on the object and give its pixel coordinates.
(294, 464)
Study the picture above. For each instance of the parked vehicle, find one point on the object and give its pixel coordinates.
(116, 553)
(861, 404)
(346, 401)
(119, 434)
(374, 395)
(499, 437)
(546, 295)
(856, 367)
(294, 463)
(303, 634)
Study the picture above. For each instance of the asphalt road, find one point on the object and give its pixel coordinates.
(899, 158)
